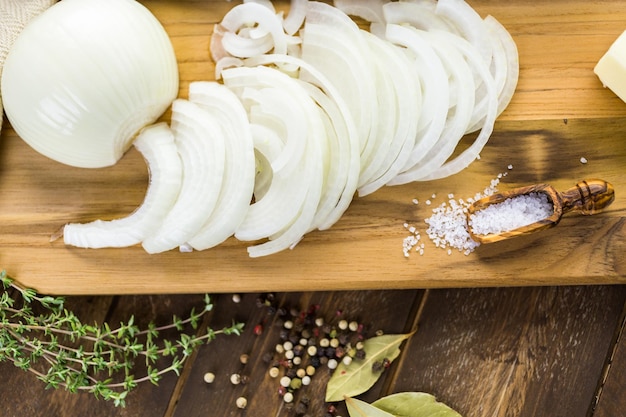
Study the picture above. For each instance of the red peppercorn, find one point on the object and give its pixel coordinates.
(258, 329)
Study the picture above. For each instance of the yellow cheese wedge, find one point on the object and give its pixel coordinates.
(611, 68)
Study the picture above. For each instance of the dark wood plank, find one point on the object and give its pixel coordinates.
(513, 352)
(384, 310)
(611, 399)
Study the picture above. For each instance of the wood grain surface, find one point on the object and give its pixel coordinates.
(510, 352)
(560, 113)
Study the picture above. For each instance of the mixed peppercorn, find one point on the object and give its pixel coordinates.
(307, 343)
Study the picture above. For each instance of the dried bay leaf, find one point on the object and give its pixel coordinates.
(414, 404)
(357, 377)
(358, 408)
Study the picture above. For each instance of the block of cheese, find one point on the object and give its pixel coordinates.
(611, 68)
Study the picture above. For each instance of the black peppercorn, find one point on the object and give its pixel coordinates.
(377, 366)
(298, 350)
(315, 361)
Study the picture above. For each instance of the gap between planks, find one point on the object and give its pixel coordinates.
(411, 326)
(620, 329)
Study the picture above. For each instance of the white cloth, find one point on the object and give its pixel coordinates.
(14, 15)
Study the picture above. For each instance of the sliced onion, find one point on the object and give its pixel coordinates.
(480, 68)
(295, 17)
(200, 142)
(333, 43)
(285, 213)
(370, 10)
(460, 76)
(509, 48)
(401, 115)
(254, 14)
(226, 62)
(348, 157)
(469, 23)
(435, 89)
(238, 180)
(157, 146)
(243, 47)
(420, 15)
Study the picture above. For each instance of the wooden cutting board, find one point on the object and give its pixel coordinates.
(560, 114)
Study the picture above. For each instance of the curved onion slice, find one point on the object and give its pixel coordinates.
(238, 180)
(402, 113)
(418, 15)
(285, 213)
(468, 155)
(469, 23)
(79, 93)
(295, 17)
(459, 115)
(252, 14)
(243, 47)
(505, 94)
(349, 146)
(333, 43)
(200, 142)
(370, 10)
(435, 89)
(156, 144)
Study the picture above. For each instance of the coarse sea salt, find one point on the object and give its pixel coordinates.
(511, 214)
(447, 226)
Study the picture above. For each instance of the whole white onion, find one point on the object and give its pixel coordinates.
(85, 76)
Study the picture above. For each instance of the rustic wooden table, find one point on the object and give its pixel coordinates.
(550, 347)
(506, 352)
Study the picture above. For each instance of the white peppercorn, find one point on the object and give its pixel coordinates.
(274, 372)
(312, 350)
(209, 377)
(288, 398)
(241, 402)
(285, 381)
(235, 379)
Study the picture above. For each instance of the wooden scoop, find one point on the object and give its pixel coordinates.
(588, 197)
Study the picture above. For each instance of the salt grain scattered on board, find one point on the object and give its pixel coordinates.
(447, 226)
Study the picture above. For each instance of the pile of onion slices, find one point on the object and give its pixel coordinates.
(310, 109)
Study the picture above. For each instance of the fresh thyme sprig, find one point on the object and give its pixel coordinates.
(65, 353)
